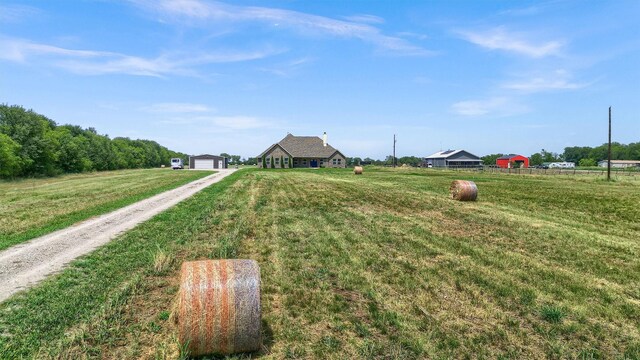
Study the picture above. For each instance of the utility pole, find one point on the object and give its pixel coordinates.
(609, 156)
(394, 150)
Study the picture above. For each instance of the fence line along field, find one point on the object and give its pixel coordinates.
(380, 265)
(34, 207)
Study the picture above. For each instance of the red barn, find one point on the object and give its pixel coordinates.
(512, 161)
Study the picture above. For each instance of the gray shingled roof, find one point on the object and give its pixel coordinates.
(304, 147)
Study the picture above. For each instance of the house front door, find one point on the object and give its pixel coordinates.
(314, 163)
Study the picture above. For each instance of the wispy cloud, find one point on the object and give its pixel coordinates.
(558, 80)
(289, 68)
(90, 62)
(204, 13)
(495, 106)
(239, 122)
(19, 50)
(177, 108)
(16, 13)
(364, 18)
(526, 11)
(501, 39)
(211, 123)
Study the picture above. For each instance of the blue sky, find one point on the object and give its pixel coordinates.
(202, 76)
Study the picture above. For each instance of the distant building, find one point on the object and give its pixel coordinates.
(302, 152)
(206, 161)
(620, 163)
(508, 161)
(452, 158)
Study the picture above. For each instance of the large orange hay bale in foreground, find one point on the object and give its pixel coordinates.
(219, 307)
(463, 190)
(357, 170)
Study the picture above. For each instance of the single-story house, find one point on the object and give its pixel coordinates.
(620, 163)
(512, 160)
(206, 161)
(452, 158)
(302, 152)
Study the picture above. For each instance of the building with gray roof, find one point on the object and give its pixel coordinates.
(452, 158)
(302, 152)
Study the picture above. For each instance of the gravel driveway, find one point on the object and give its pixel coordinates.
(24, 265)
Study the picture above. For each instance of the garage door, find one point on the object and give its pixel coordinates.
(203, 164)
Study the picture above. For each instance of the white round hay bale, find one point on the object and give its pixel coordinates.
(219, 307)
(358, 170)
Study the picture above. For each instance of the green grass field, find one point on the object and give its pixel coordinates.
(34, 207)
(382, 265)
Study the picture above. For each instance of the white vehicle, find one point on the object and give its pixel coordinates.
(176, 163)
(562, 165)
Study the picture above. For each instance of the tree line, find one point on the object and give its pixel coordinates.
(34, 145)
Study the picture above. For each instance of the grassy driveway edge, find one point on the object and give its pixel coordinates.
(69, 219)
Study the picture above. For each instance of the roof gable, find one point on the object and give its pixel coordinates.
(306, 147)
(510, 156)
(273, 147)
(452, 153)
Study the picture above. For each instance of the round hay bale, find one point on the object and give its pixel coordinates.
(358, 170)
(463, 190)
(219, 307)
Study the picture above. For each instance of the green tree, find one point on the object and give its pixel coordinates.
(410, 160)
(548, 156)
(587, 162)
(9, 158)
(490, 159)
(536, 159)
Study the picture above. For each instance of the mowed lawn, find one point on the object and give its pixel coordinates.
(382, 265)
(33, 207)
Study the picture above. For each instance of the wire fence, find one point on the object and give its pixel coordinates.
(550, 171)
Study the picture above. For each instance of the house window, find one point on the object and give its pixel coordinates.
(335, 161)
(339, 161)
(268, 161)
(304, 162)
(277, 161)
(286, 160)
(295, 161)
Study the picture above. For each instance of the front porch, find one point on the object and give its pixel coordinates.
(309, 162)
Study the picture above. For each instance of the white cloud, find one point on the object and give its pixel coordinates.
(217, 124)
(365, 18)
(559, 80)
(501, 39)
(89, 62)
(542, 84)
(527, 11)
(495, 106)
(239, 122)
(213, 12)
(289, 68)
(19, 50)
(16, 13)
(177, 108)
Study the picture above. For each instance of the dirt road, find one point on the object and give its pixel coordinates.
(23, 265)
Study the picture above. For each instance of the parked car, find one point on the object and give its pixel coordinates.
(176, 163)
(541, 167)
